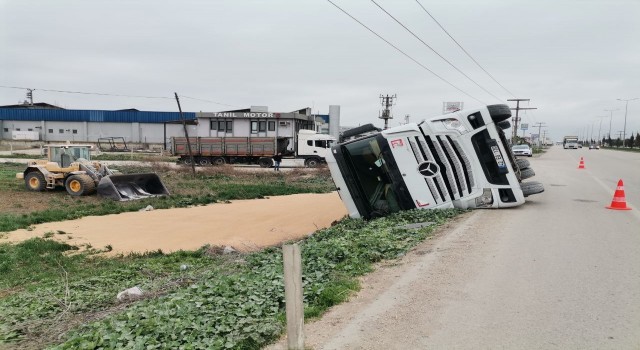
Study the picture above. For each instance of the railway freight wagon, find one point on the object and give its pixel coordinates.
(310, 146)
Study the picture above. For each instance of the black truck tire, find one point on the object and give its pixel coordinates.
(527, 173)
(499, 113)
(312, 162)
(531, 187)
(80, 185)
(265, 162)
(218, 161)
(34, 181)
(522, 163)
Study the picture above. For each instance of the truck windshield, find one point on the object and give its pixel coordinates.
(370, 170)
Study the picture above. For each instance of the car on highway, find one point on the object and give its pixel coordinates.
(594, 147)
(572, 145)
(522, 150)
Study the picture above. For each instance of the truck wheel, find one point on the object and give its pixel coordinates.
(204, 161)
(499, 113)
(312, 162)
(522, 163)
(80, 185)
(218, 161)
(529, 188)
(265, 162)
(35, 181)
(527, 173)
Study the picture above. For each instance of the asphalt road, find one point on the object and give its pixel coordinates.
(560, 272)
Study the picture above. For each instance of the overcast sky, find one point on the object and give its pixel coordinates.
(573, 59)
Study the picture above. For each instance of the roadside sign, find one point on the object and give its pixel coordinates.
(524, 126)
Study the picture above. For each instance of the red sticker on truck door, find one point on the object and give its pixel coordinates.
(397, 143)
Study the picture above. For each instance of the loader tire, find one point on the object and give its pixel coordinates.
(80, 185)
(35, 181)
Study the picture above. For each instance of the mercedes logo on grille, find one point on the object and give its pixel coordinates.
(428, 169)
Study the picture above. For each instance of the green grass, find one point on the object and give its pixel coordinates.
(219, 302)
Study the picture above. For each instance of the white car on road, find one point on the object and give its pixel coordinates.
(522, 150)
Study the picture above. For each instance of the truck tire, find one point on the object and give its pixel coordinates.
(522, 163)
(312, 162)
(204, 161)
(218, 161)
(265, 162)
(499, 113)
(527, 173)
(529, 188)
(80, 185)
(34, 181)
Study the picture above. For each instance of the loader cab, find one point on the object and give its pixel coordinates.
(67, 154)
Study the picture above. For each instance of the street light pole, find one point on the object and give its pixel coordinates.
(610, 119)
(624, 130)
(599, 128)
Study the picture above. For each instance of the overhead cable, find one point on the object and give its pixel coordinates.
(403, 53)
(462, 48)
(85, 93)
(436, 52)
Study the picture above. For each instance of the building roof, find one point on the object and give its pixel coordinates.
(37, 105)
(99, 116)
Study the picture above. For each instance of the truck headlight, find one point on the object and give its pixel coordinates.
(453, 124)
(486, 200)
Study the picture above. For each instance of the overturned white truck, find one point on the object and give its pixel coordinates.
(457, 160)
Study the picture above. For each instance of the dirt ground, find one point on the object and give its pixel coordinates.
(244, 224)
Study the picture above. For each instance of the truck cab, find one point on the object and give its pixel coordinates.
(314, 147)
(456, 160)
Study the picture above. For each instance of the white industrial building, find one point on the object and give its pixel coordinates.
(46, 123)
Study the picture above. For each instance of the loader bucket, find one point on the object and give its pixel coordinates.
(131, 187)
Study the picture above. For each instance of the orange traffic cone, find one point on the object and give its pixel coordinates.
(581, 165)
(619, 202)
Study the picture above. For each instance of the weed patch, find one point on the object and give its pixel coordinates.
(218, 301)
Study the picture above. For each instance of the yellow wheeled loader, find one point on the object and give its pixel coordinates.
(70, 166)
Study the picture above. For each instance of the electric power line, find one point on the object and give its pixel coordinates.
(116, 95)
(85, 93)
(203, 100)
(434, 51)
(462, 48)
(402, 52)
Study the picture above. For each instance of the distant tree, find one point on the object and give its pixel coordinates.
(631, 141)
(637, 140)
(618, 142)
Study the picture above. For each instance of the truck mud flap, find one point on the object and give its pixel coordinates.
(131, 187)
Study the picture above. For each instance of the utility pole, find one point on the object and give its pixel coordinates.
(539, 125)
(544, 138)
(387, 102)
(599, 139)
(30, 96)
(186, 134)
(517, 118)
